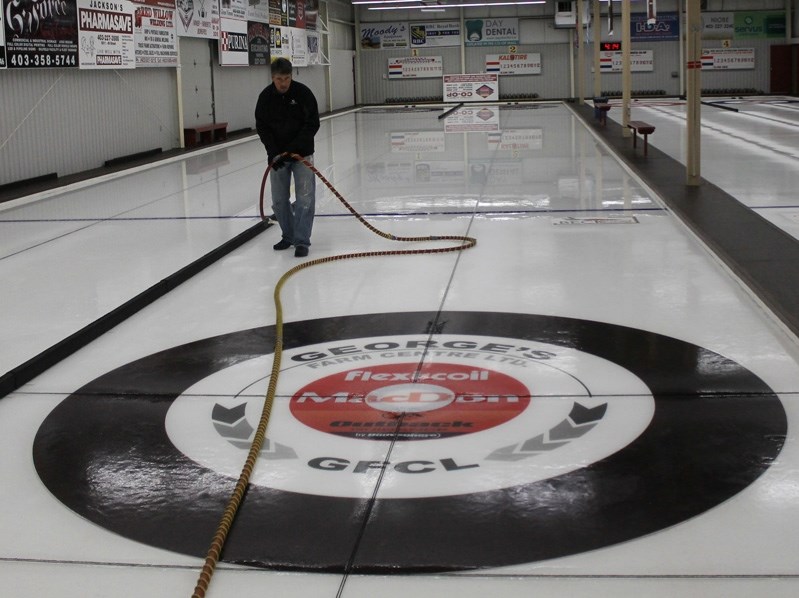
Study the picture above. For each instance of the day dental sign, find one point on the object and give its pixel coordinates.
(492, 32)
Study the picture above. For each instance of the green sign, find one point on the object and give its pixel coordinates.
(762, 24)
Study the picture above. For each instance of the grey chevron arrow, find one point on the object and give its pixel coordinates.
(242, 430)
(228, 416)
(583, 415)
(584, 419)
(270, 450)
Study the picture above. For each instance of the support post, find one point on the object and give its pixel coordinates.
(693, 92)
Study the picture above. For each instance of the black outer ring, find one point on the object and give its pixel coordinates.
(717, 427)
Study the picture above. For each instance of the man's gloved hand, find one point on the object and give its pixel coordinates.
(281, 161)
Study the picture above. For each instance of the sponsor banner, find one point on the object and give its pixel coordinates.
(496, 173)
(716, 59)
(759, 25)
(261, 11)
(666, 27)
(258, 43)
(718, 25)
(198, 18)
(473, 120)
(296, 14)
(492, 32)
(514, 64)
(418, 141)
(233, 48)
(415, 67)
(640, 61)
(516, 139)
(314, 54)
(388, 174)
(377, 36)
(155, 36)
(51, 41)
(2, 39)
(279, 42)
(311, 14)
(106, 36)
(299, 46)
(233, 9)
(444, 172)
(438, 34)
(471, 88)
(161, 3)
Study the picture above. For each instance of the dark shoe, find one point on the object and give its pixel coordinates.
(300, 251)
(282, 245)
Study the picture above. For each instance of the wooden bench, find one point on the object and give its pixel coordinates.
(639, 126)
(202, 134)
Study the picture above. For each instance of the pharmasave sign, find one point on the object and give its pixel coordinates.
(480, 428)
(106, 34)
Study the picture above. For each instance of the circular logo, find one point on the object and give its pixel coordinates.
(412, 441)
(409, 402)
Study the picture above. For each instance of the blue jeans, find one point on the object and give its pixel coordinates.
(295, 219)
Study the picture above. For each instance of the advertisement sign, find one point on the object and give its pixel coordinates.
(473, 120)
(198, 18)
(279, 42)
(445, 172)
(415, 67)
(514, 64)
(387, 174)
(233, 9)
(492, 32)
(297, 14)
(155, 37)
(437, 34)
(759, 25)
(261, 11)
(314, 53)
(666, 27)
(233, 48)
(299, 46)
(258, 43)
(2, 39)
(471, 88)
(51, 41)
(640, 61)
(106, 36)
(718, 25)
(311, 14)
(159, 3)
(715, 59)
(496, 173)
(377, 36)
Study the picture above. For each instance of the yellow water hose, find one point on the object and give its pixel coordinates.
(217, 543)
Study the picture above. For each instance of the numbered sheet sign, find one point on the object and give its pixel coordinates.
(514, 64)
(415, 67)
(478, 87)
(640, 61)
(728, 59)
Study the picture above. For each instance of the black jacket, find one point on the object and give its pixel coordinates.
(287, 122)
